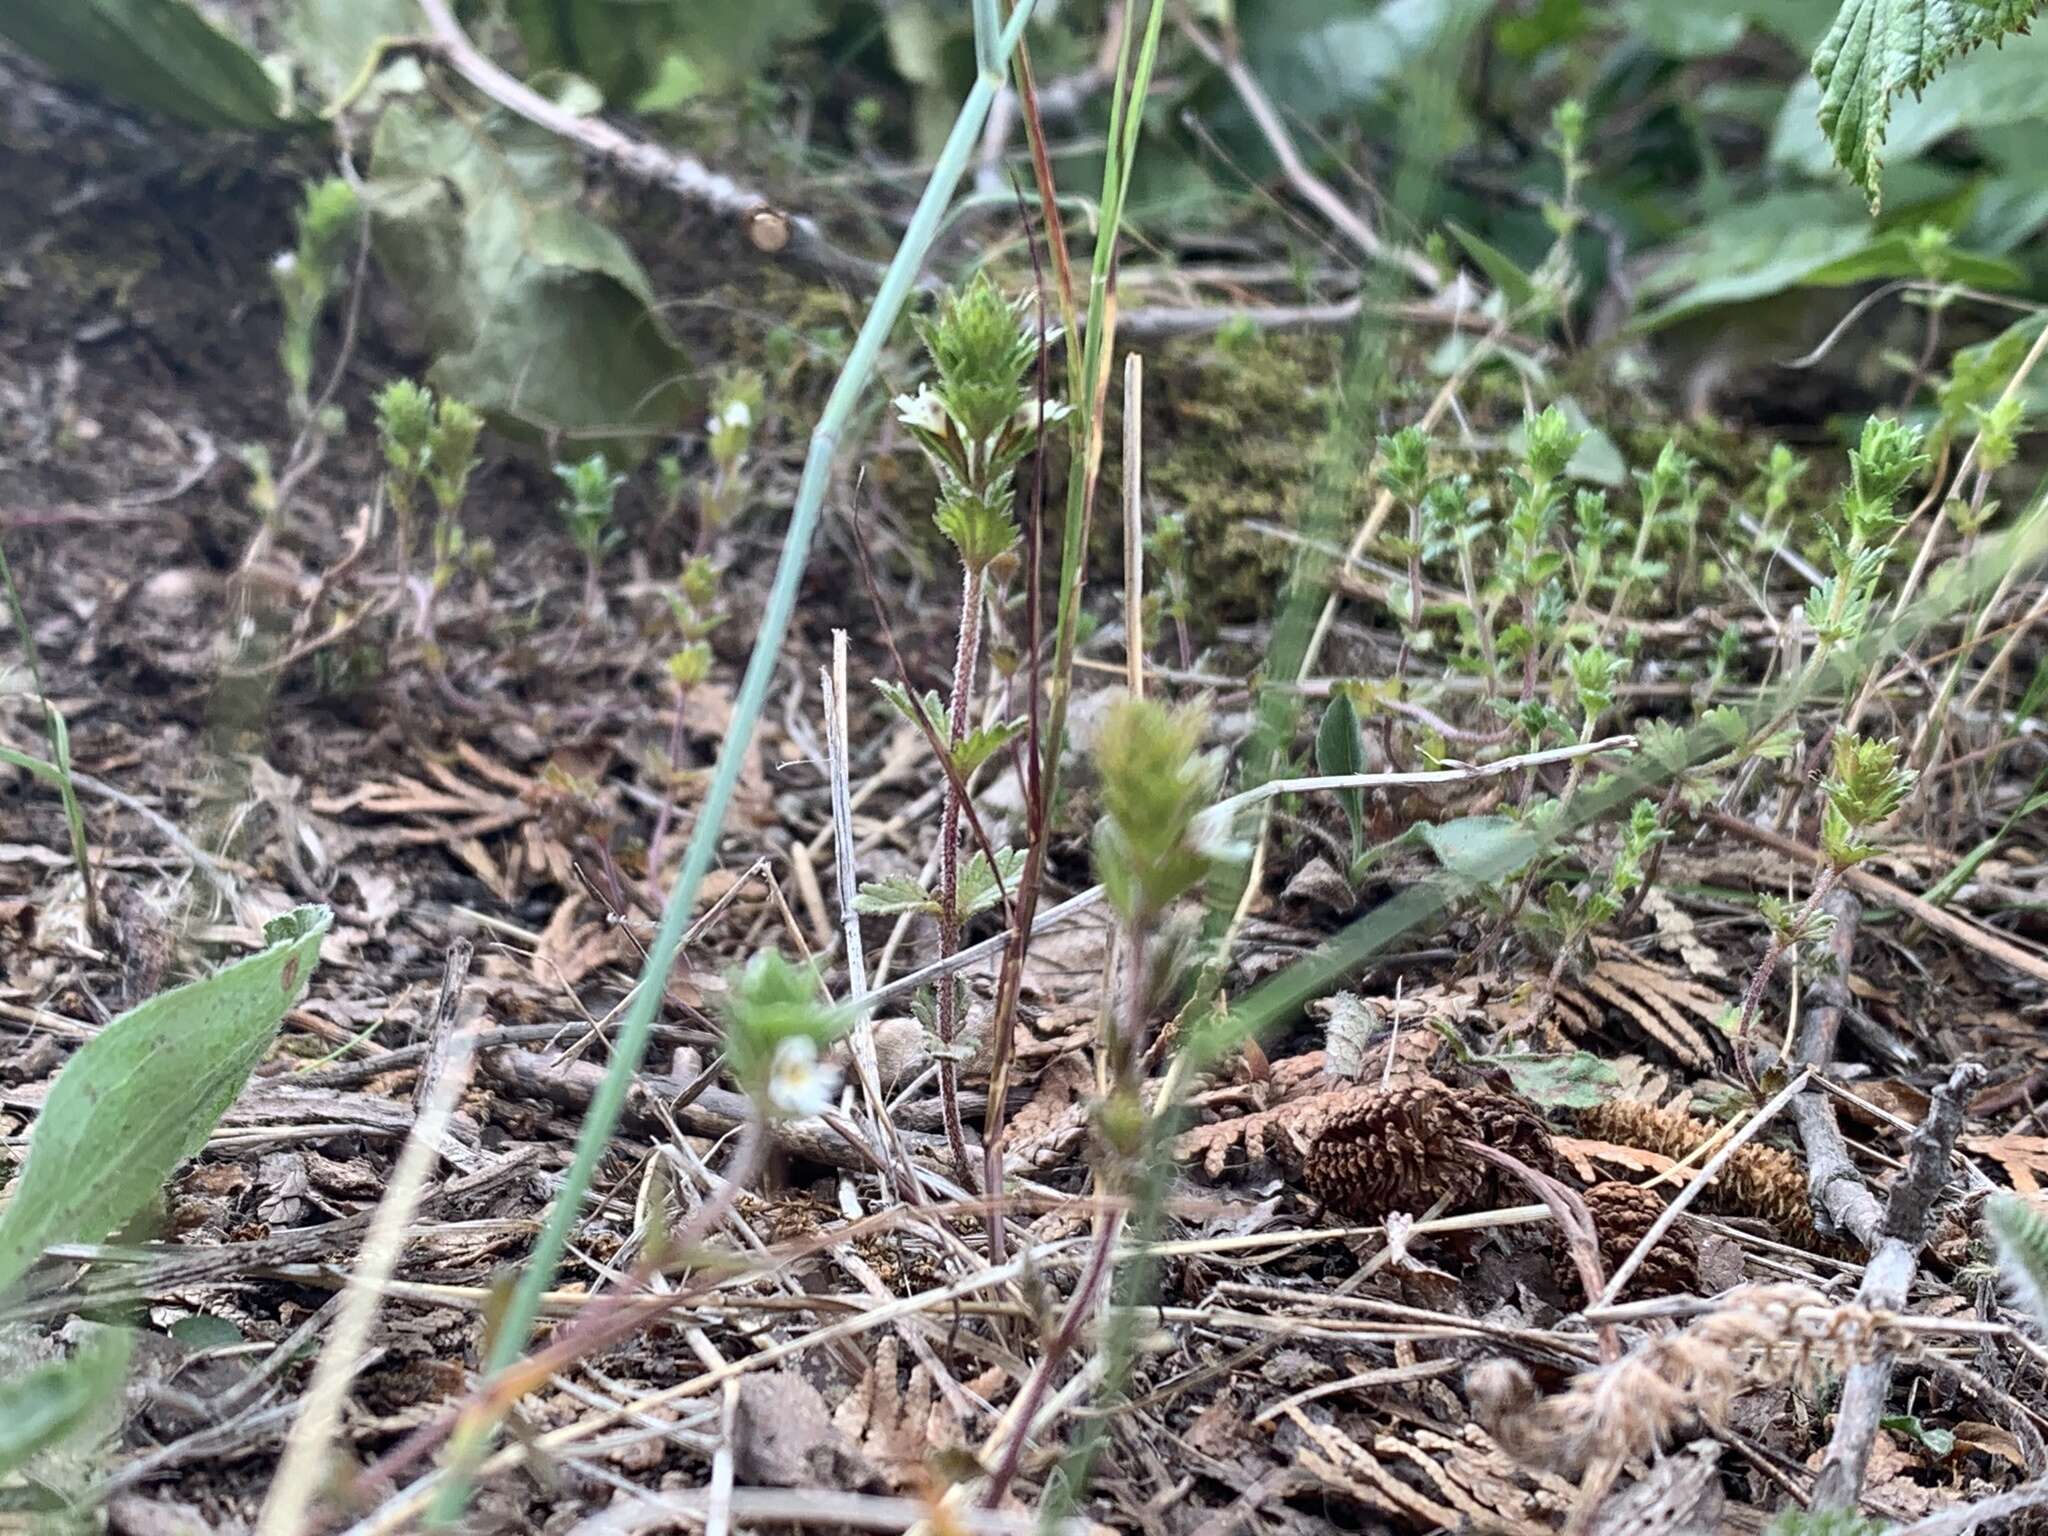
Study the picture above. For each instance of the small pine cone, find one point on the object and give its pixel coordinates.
(1623, 1214)
(1401, 1148)
(1510, 1125)
(1757, 1181)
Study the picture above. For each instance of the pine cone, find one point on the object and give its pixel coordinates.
(1756, 1181)
(1401, 1149)
(1623, 1214)
(1510, 1125)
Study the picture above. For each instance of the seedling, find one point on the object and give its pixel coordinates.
(588, 510)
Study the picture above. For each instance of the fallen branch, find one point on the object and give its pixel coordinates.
(772, 230)
(1833, 1185)
(1885, 1282)
(1879, 889)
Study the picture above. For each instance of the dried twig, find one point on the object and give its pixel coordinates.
(302, 1472)
(1885, 1283)
(770, 229)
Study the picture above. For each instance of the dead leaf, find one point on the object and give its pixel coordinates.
(1582, 1154)
(2024, 1158)
(783, 1437)
(1677, 934)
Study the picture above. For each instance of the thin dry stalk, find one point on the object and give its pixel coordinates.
(1310, 187)
(302, 1472)
(1134, 525)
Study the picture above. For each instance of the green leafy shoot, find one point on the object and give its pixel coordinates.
(1154, 843)
(1866, 788)
(308, 275)
(777, 1028)
(979, 887)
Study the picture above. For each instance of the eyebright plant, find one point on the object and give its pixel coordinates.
(588, 510)
(777, 1030)
(307, 276)
(729, 433)
(974, 422)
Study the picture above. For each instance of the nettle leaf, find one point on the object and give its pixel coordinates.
(978, 888)
(910, 707)
(1877, 49)
(1577, 1081)
(41, 1407)
(977, 747)
(536, 313)
(893, 898)
(160, 55)
(144, 1094)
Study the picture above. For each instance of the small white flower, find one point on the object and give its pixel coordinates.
(922, 409)
(799, 1085)
(736, 414)
(1033, 414)
(284, 263)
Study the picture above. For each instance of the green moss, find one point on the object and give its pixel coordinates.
(1232, 438)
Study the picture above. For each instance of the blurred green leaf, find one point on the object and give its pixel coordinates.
(1794, 240)
(537, 314)
(624, 47)
(145, 1092)
(40, 1407)
(1499, 268)
(1339, 751)
(331, 40)
(160, 55)
(1478, 849)
(1934, 1440)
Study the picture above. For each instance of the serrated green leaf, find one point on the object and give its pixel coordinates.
(160, 55)
(1576, 1081)
(977, 747)
(893, 898)
(38, 1408)
(978, 888)
(910, 707)
(1878, 49)
(144, 1094)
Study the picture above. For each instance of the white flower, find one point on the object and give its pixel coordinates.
(284, 263)
(799, 1085)
(736, 414)
(922, 409)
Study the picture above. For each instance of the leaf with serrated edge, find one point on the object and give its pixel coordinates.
(1877, 49)
(892, 898)
(144, 1094)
